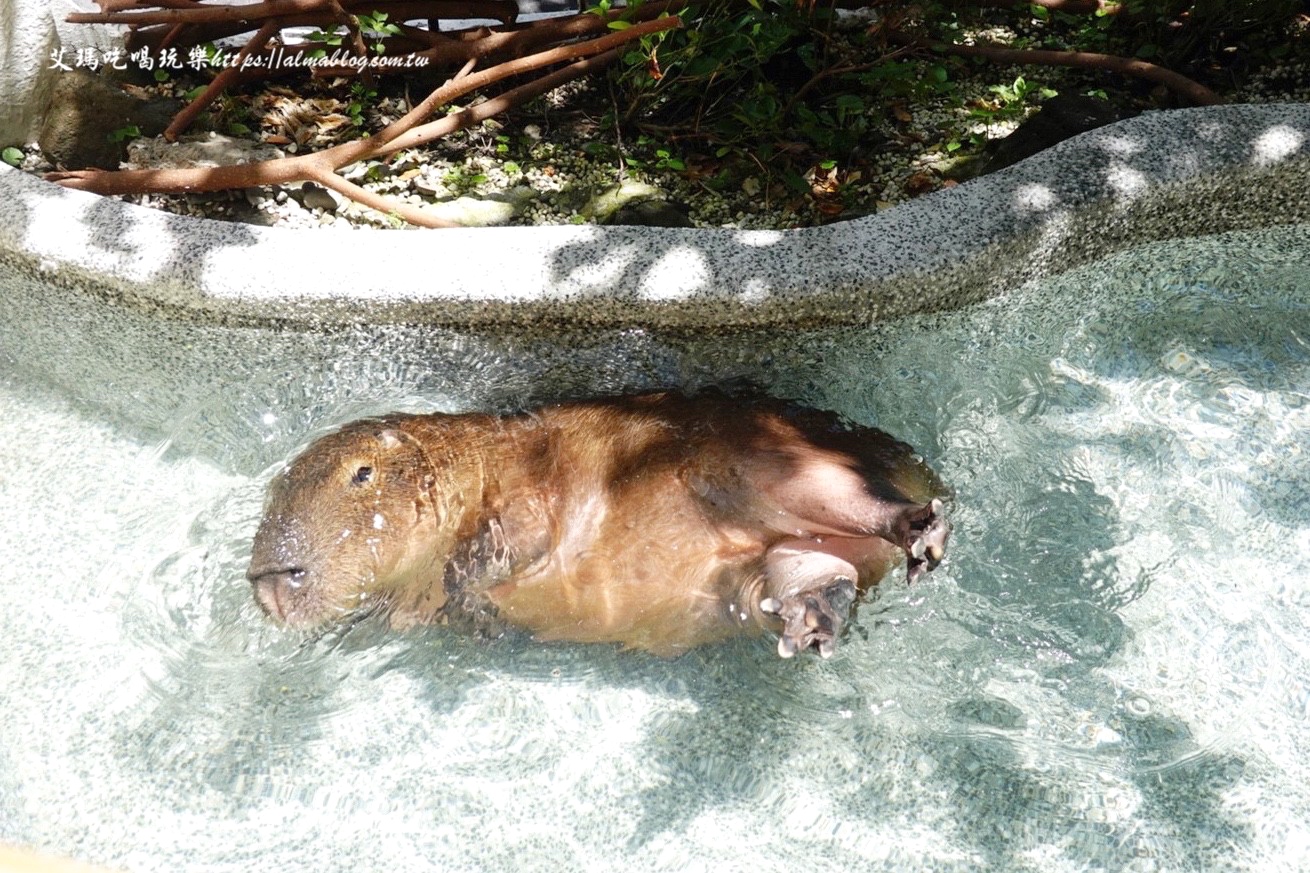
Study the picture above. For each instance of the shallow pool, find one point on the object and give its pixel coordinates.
(1110, 671)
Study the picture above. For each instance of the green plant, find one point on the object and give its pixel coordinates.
(376, 25)
(1011, 100)
(362, 95)
(712, 73)
(230, 114)
(767, 81)
(372, 24)
(329, 38)
(459, 179)
(600, 150)
(666, 160)
(213, 54)
(122, 134)
(12, 156)
(648, 152)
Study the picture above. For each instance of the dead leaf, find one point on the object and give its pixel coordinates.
(920, 183)
(332, 122)
(820, 179)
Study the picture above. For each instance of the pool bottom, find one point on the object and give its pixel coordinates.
(1108, 672)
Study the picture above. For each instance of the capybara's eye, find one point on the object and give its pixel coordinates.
(362, 475)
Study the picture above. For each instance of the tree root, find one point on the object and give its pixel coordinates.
(585, 42)
(406, 132)
(1073, 7)
(175, 23)
(1189, 89)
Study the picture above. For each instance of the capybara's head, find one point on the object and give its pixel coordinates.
(349, 522)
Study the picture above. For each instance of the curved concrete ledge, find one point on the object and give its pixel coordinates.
(160, 321)
(1158, 176)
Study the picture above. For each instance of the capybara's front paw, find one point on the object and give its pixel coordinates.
(925, 541)
(812, 617)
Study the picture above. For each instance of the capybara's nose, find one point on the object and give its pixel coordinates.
(276, 591)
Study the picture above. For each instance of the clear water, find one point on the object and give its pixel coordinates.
(1111, 670)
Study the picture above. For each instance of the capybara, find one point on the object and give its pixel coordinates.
(658, 521)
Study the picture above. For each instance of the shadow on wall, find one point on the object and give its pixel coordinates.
(1078, 201)
(956, 246)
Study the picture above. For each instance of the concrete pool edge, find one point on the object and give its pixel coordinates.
(1159, 176)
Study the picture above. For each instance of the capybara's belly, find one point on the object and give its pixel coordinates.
(649, 571)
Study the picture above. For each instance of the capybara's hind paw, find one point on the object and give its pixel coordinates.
(925, 544)
(812, 617)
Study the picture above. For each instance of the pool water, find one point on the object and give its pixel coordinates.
(1110, 671)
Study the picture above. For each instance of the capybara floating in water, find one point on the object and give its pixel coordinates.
(657, 521)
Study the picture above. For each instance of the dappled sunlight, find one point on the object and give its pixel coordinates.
(96, 233)
(1127, 183)
(1120, 145)
(679, 274)
(1277, 144)
(1034, 198)
(759, 238)
(1090, 196)
(602, 273)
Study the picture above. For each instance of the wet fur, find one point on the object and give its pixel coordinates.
(659, 522)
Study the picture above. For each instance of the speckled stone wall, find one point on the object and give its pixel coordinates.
(118, 302)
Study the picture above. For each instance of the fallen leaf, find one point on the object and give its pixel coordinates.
(920, 183)
(327, 124)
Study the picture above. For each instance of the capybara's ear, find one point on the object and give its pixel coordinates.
(390, 439)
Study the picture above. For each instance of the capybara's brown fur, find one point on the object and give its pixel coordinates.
(657, 521)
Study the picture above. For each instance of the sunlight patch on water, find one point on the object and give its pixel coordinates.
(1109, 671)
